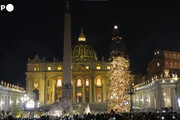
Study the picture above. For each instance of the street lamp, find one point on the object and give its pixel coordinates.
(24, 98)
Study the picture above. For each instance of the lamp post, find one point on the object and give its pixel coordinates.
(131, 92)
(24, 98)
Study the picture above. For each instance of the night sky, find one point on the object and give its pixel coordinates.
(36, 27)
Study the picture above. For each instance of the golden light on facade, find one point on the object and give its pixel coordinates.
(36, 67)
(79, 84)
(98, 82)
(79, 94)
(87, 67)
(59, 68)
(158, 64)
(49, 68)
(108, 67)
(87, 82)
(82, 37)
(36, 81)
(59, 83)
(98, 67)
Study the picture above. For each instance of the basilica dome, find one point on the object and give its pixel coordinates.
(82, 52)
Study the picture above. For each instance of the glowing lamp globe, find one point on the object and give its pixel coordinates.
(30, 104)
(115, 27)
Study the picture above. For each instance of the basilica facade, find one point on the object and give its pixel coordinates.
(90, 77)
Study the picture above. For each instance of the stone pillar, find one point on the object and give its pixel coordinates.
(1, 101)
(90, 91)
(104, 90)
(159, 97)
(152, 100)
(137, 102)
(74, 91)
(94, 88)
(144, 100)
(8, 100)
(84, 91)
(137, 97)
(173, 98)
(42, 92)
(53, 91)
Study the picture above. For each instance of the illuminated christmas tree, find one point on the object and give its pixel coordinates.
(118, 97)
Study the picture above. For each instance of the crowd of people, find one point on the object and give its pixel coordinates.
(110, 116)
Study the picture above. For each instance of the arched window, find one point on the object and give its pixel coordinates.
(108, 67)
(59, 68)
(98, 67)
(158, 64)
(87, 82)
(36, 92)
(98, 82)
(79, 83)
(59, 82)
(171, 64)
(36, 67)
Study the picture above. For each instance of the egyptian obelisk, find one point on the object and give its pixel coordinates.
(67, 87)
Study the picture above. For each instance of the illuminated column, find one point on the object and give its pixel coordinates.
(29, 83)
(53, 91)
(8, 100)
(173, 98)
(42, 92)
(159, 97)
(74, 91)
(152, 100)
(143, 101)
(104, 90)
(90, 91)
(84, 91)
(94, 88)
(137, 100)
(2, 100)
(1, 105)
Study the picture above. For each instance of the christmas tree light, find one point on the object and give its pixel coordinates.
(118, 97)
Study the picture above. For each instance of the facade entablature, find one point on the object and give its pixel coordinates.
(54, 68)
